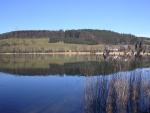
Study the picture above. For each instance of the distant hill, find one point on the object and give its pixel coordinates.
(82, 36)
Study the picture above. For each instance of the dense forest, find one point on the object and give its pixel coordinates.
(83, 36)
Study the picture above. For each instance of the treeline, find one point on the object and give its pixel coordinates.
(83, 36)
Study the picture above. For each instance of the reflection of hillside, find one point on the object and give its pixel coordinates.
(88, 68)
(123, 92)
(44, 60)
(69, 65)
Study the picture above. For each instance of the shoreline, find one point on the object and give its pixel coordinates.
(73, 53)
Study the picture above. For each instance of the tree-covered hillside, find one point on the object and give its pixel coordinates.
(83, 36)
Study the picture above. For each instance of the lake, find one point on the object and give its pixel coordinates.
(74, 84)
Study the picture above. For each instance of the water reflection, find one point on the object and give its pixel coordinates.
(69, 65)
(73, 84)
(123, 92)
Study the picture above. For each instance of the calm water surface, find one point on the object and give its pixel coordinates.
(74, 84)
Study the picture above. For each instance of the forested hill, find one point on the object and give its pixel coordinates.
(83, 36)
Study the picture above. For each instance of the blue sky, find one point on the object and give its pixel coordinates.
(124, 16)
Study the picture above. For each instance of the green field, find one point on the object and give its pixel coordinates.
(42, 45)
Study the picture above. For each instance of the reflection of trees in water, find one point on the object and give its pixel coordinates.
(125, 92)
(88, 68)
(73, 65)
